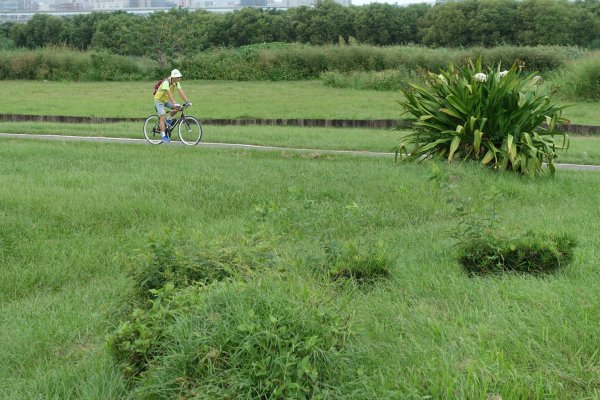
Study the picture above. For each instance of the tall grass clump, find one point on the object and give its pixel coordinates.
(175, 258)
(60, 63)
(580, 80)
(349, 261)
(484, 114)
(265, 338)
(387, 80)
(111, 67)
(530, 253)
(55, 63)
(531, 58)
(6, 43)
(281, 61)
(269, 61)
(482, 241)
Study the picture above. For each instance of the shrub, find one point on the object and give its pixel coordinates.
(532, 58)
(581, 80)
(494, 117)
(348, 261)
(280, 61)
(269, 338)
(110, 67)
(531, 253)
(59, 63)
(6, 43)
(383, 80)
(276, 61)
(175, 258)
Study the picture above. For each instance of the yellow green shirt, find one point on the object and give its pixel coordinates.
(161, 94)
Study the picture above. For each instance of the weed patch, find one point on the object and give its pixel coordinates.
(483, 245)
(531, 253)
(349, 262)
(266, 338)
(172, 257)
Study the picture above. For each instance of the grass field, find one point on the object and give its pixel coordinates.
(75, 214)
(583, 149)
(211, 99)
(220, 99)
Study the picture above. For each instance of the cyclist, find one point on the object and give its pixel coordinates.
(163, 98)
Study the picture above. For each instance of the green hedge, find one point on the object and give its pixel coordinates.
(581, 80)
(296, 62)
(63, 64)
(275, 62)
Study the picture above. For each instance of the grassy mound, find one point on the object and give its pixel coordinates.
(532, 254)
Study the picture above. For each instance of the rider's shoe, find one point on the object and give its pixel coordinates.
(170, 122)
(165, 138)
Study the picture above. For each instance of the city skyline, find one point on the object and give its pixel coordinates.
(99, 5)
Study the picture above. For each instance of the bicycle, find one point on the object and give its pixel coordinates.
(190, 129)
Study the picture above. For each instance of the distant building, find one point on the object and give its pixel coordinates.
(69, 6)
(10, 6)
(253, 3)
(23, 10)
(101, 5)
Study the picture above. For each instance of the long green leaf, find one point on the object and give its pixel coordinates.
(522, 100)
(450, 112)
(477, 142)
(456, 103)
(453, 147)
(489, 156)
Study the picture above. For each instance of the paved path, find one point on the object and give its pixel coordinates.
(580, 167)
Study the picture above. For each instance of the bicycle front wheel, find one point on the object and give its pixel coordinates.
(152, 130)
(190, 131)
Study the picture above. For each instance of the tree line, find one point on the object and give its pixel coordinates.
(453, 24)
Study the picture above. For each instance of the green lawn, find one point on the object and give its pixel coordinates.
(583, 149)
(74, 214)
(220, 99)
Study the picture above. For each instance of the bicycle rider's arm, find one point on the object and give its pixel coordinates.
(183, 96)
(171, 97)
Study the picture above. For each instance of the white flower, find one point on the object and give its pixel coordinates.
(503, 73)
(480, 77)
(537, 80)
(442, 78)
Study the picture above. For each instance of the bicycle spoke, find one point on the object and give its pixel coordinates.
(152, 130)
(190, 131)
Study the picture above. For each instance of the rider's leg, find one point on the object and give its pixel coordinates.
(174, 109)
(161, 123)
(162, 116)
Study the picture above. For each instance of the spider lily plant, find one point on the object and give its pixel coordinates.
(501, 118)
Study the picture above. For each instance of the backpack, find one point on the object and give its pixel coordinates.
(157, 85)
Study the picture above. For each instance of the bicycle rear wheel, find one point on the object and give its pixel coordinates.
(152, 130)
(190, 131)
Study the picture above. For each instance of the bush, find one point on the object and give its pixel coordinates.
(110, 67)
(494, 117)
(531, 253)
(175, 258)
(59, 63)
(279, 61)
(6, 43)
(581, 80)
(532, 58)
(268, 338)
(271, 61)
(383, 80)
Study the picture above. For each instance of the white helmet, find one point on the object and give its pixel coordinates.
(175, 74)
